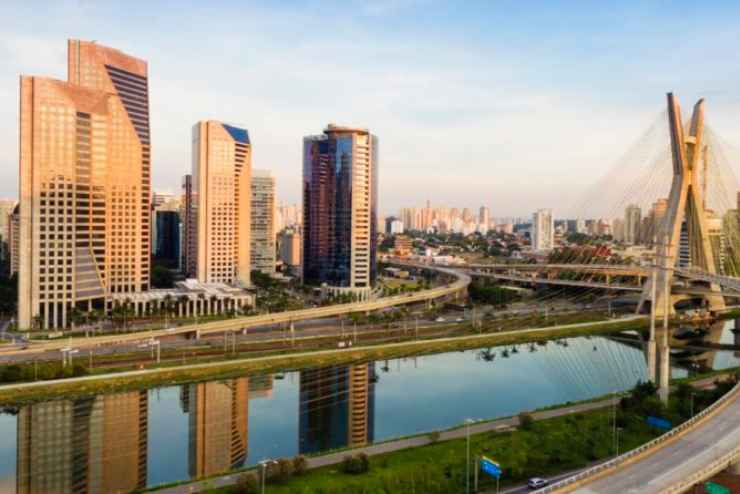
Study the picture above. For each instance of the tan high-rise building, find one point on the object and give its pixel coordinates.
(632, 222)
(221, 196)
(84, 185)
(262, 231)
(14, 233)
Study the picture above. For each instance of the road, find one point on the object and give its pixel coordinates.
(690, 453)
(453, 288)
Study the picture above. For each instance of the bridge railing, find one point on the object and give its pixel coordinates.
(717, 465)
(656, 443)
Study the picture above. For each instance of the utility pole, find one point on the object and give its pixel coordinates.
(467, 457)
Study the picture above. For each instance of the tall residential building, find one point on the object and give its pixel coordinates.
(221, 197)
(189, 229)
(14, 243)
(484, 217)
(632, 222)
(340, 201)
(84, 185)
(6, 210)
(290, 248)
(543, 231)
(263, 222)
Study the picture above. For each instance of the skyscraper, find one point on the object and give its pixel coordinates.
(340, 174)
(189, 229)
(632, 222)
(84, 185)
(221, 196)
(484, 217)
(543, 232)
(263, 222)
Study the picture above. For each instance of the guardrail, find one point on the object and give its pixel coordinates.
(658, 441)
(714, 467)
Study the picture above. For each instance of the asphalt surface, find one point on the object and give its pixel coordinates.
(673, 463)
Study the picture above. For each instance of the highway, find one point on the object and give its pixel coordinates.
(240, 323)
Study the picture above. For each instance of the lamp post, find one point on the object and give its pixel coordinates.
(692, 404)
(263, 465)
(619, 429)
(467, 457)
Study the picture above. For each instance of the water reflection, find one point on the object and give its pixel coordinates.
(89, 445)
(126, 441)
(337, 407)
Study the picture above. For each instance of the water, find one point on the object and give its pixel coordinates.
(118, 442)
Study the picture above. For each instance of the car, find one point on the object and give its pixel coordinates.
(537, 483)
(440, 319)
(459, 319)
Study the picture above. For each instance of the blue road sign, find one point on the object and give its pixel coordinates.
(490, 467)
(659, 423)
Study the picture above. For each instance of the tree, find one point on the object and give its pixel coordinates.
(247, 483)
(162, 277)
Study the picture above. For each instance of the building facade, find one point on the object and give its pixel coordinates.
(632, 224)
(543, 231)
(221, 197)
(189, 230)
(290, 249)
(84, 185)
(263, 222)
(340, 174)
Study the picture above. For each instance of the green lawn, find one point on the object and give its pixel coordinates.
(549, 447)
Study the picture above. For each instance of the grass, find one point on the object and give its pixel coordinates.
(234, 368)
(547, 448)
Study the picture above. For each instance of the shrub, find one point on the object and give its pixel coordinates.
(356, 464)
(247, 483)
(434, 436)
(283, 470)
(300, 465)
(525, 421)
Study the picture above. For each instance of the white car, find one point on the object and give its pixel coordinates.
(537, 483)
(440, 319)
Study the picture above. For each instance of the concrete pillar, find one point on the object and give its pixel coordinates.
(734, 468)
(664, 381)
(651, 361)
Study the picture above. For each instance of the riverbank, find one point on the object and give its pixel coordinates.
(543, 443)
(173, 374)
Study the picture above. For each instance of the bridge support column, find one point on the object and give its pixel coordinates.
(652, 361)
(664, 374)
(734, 468)
(292, 333)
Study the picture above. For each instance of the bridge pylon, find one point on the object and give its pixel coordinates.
(685, 214)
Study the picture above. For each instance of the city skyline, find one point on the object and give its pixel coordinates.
(410, 88)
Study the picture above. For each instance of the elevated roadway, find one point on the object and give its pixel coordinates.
(674, 462)
(460, 283)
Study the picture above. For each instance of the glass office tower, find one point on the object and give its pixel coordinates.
(340, 176)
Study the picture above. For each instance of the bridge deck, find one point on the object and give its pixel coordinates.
(687, 455)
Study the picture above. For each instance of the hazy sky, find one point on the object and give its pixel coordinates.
(515, 105)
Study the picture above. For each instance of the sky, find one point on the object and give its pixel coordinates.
(509, 104)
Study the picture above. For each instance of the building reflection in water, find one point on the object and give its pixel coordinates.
(218, 417)
(337, 407)
(89, 445)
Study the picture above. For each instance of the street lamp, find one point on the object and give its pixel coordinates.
(692, 404)
(263, 465)
(467, 458)
(619, 429)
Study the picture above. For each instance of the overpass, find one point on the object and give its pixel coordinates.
(453, 288)
(689, 454)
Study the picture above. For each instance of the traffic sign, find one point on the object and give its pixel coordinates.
(490, 467)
